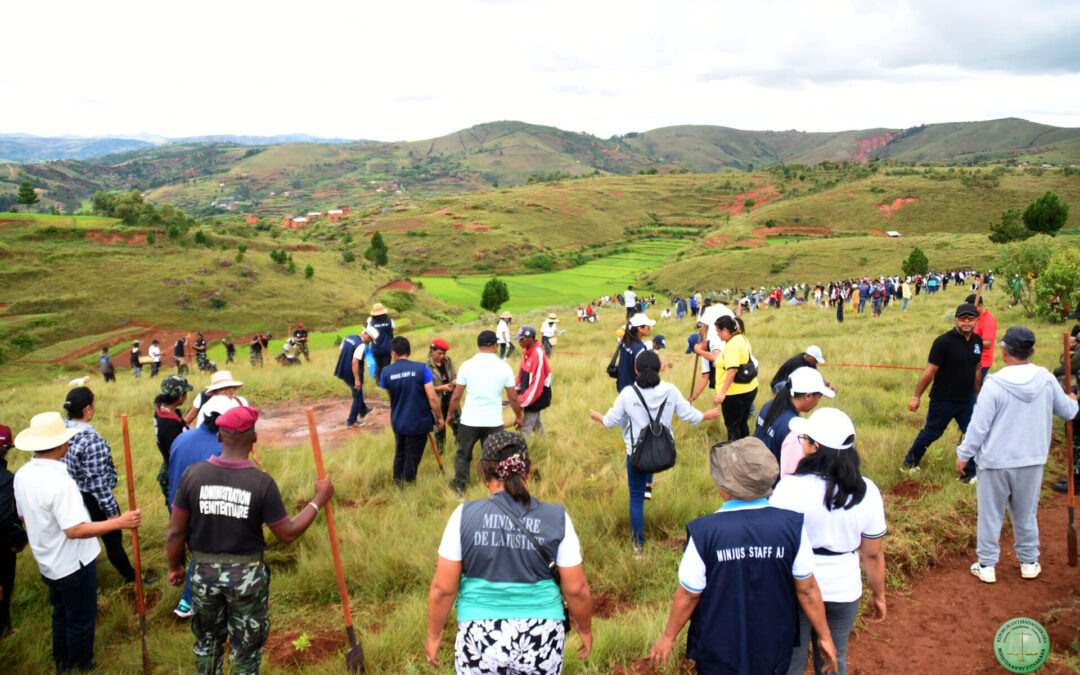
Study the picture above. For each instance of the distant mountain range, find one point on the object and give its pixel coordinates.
(285, 174)
(27, 148)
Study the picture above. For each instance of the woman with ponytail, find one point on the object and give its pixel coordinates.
(798, 394)
(844, 519)
(511, 561)
(628, 413)
(736, 398)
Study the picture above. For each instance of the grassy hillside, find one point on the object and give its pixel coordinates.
(367, 174)
(389, 536)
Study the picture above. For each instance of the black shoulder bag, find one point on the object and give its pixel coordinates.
(613, 366)
(539, 549)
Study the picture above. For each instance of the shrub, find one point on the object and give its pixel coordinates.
(309, 271)
(1011, 228)
(217, 302)
(1025, 260)
(1046, 214)
(495, 294)
(398, 300)
(1058, 286)
(540, 261)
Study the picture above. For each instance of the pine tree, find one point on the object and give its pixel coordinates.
(27, 194)
(495, 294)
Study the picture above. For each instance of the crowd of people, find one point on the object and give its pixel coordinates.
(772, 578)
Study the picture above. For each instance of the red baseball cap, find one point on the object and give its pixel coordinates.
(439, 343)
(238, 420)
(5, 436)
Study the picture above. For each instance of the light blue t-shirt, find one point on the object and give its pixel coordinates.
(485, 377)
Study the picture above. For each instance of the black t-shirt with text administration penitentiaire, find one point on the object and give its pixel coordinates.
(228, 502)
(957, 360)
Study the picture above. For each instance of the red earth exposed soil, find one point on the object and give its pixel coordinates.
(440, 211)
(947, 621)
(878, 232)
(900, 202)
(284, 425)
(15, 221)
(867, 147)
(400, 284)
(760, 196)
(137, 239)
(477, 227)
(144, 334)
(804, 230)
(437, 270)
(751, 243)
(280, 650)
(716, 240)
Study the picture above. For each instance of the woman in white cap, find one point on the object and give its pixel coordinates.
(845, 521)
(219, 397)
(798, 394)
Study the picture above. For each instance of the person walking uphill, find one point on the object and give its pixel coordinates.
(952, 366)
(135, 354)
(740, 385)
(414, 408)
(745, 572)
(509, 583)
(350, 370)
(89, 463)
(62, 538)
(383, 326)
(105, 364)
(1009, 439)
(225, 501)
(154, 352)
(178, 357)
(483, 378)
(533, 381)
(503, 337)
(648, 398)
(986, 329)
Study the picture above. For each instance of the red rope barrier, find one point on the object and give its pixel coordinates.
(835, 365)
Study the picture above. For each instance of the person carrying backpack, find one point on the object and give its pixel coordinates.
(635, 409)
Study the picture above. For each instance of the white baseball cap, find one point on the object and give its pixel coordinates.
(807, 380)
(829, 427)
(640, 319)
(815, 351)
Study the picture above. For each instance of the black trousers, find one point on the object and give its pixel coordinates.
(408, 451)
(114, 541)
(736, 410)
(7, 582)
(440, 436)
(467, 439)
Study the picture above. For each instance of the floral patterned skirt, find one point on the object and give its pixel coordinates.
(510, 647)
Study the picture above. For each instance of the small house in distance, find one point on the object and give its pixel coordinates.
(893, 233)
(294, 223)
(251, 219)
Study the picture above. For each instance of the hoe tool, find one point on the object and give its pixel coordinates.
(1071, 456)
(140, 604)
(435, 449)
(354, 659)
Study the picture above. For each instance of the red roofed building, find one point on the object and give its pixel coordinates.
(251, 219)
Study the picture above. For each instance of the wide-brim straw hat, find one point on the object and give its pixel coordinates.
(553, 319)
(378, 309)
(506, 315)
(47, 431)
(222, 379)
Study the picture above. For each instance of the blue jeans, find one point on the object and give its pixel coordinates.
(74, 602)
(636, 482)
(359, 407)
(862, 306)
(841, 618)
(904, 307)
(506, 349)
(186, 597)
(938, 415)
(137, 371)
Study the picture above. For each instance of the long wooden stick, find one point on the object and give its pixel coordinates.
(140, 604)
(435, 449)
(351, 658)
(1071, 456)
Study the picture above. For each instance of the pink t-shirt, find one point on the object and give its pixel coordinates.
(791, 453)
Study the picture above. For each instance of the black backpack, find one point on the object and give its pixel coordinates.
(654, 449)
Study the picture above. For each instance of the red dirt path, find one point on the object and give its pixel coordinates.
(400, 284)
(947, 622)
(900, 202)
(805, 230)
(716, 240)
(284, 425)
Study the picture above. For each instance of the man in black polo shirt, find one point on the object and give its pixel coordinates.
(952, 365)
(745, 572)
(226, 501)
(178, 357)
(414, 408)
(200, 353)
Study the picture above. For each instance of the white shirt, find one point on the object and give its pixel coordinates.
(154, 352)
(216, 404)
(568, 555)
(49, 502)
(547, 329)
(630, 298)
(627, 406)
(840, 530)
(692, 567)
(502, 332)
(485, 377)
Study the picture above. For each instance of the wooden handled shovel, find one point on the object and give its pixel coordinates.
(140, 604)
(354, 659)
(1071, 457)
(435, 449)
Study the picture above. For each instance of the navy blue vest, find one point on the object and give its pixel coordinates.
(746, 620)
(343, 369)
(410, 412)
(384, 324)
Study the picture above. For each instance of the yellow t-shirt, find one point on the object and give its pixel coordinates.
(736, 353)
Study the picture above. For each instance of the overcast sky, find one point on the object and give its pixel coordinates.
(413, 70)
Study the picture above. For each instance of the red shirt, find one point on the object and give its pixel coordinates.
(986, 328)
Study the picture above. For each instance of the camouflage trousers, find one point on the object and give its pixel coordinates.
(256, 359)
(202, 361)
(230, 601)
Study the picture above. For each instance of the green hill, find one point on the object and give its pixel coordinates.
(204, 178)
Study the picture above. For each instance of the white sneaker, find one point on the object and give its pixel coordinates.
(1030, 570)
(985, 573)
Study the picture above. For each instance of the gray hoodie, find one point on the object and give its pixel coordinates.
(1012, 421)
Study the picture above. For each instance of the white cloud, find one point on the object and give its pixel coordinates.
(396, 71)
